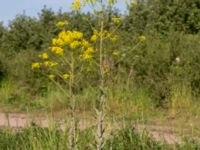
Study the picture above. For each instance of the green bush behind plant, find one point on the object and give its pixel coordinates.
(170, 55)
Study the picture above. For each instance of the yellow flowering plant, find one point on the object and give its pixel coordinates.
(62, 62)
(70, 50)
(103, 37)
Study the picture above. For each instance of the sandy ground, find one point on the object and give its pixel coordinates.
(157, 132)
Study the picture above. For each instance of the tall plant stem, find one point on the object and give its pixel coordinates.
(73, 107)
(102, 93)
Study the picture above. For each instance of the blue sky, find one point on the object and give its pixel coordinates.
(10, 8)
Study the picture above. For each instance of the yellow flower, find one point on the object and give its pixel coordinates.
(46, 63)
(51, 76)
(86, 56)
(61, 23)
(36, 65)
(53, 64)
(85, 43)
(90, 50)
(57, 50)
(50, 63)
(44, 56)
(66, 76)
(76, 4)
(134, 3)
(77, 35)
(94, 38)
(142, 38)
(58, 42)
(116, 20)
(65, 36)
(73, 39)
(74, 44)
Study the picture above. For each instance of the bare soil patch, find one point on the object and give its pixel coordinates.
(168, 134)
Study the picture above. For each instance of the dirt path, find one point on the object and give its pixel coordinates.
(170, 135)
(19, 120)
(157, 132)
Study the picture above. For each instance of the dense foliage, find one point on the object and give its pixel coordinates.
(169, 57)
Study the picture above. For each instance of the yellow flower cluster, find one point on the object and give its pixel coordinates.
(76, 4)
(57, 50)
(142, 38)
(51, 76)
(67, 37)
(74, 40)
(62, 23)
(74, 44)
(94, 37)
(97, 34)
(88, 53)
(70, 39)
(50, 63)
(66, 76)
(85, 43)
(116, 20)
(44, 56)
(58, 42)
(36, 65)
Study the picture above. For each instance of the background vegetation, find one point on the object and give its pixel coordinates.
(169, 58)
(162, 73)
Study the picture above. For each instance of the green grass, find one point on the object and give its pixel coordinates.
(124, 102)
(34, 138)
(125, 105)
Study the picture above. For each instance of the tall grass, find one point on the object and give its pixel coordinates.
(11, 94)
(34, 138)
(181, 99)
